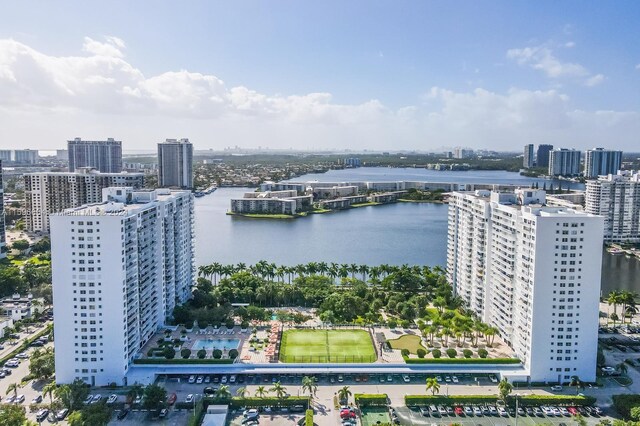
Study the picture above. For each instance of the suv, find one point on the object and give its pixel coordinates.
(42, 414)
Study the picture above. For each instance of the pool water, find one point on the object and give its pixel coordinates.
(221, 344)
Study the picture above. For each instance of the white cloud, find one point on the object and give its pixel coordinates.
(47, 99)
(570, 44)
(594, 80)
(542, 58)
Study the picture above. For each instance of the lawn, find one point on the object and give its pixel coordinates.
(375, 415)
(322, 346)
(408, 341)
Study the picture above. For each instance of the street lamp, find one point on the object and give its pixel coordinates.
(195, 397)
(516, 396)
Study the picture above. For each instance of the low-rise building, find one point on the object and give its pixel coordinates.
(18, 308)
(272, 202)
(5, 321)
(387, 197)
(323, 193)
(343, 202)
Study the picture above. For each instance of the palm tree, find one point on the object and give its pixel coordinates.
(242, 392)
(49, 388)
(279, 390)
(613, 299)
(344, 393)
(433, 385)
(505, 389)
(261, 392)
(575, 381)
(223, 392)
(13, 387)
(490, 334)
(622, 368)
(309, 385)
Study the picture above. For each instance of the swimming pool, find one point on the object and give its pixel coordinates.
(221, 344)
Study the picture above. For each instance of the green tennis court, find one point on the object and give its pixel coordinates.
(321, 346)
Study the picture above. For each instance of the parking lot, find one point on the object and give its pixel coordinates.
(409, 416)
(271, 419)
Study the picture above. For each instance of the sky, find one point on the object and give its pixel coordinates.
(378, 75)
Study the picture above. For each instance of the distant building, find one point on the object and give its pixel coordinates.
(104, 156)
(5, 322)
(3, 242)
(352, 162)
(51, 192)
(600, 161)
(617, 199)
(533, 272)
(462, 153)
(564, 162)
(62, 154)
(272, 202)
(542, 156)
(6, 155)
(175, 164)
(18, 308)
(528, 160)
(321, 193)
(25, 157)
(119, 269)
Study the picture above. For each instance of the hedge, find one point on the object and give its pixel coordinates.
(181, 361)
(411, 400)
(238, 401)
(567, 400)
(525, 400)
(308, 418)
(624, 403)
(462, 361)
(371, 399)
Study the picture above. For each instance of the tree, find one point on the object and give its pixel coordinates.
(217, 354)
(279, 390)
(12, 415)
(309, 385)
(20, 245)
(436, 353)
(580, 420)
(467, 353)
(614, 317)
(233, 354)
(482, 353)
(202, 353)
(154, 397)
(421, 353)
(505, 388)
(433, 385)
(43, 245)
(223, 393)
(42, 364)
(622, 368)
(452, 353)
(49, 389)
(91, 415)
(185, 353)
(343, 394)
(261, 392)
(13, 387)
(242, 392)
(135, 391)
(73, 395)
(169, 352)
(635, 413)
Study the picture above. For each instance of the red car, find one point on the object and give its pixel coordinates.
(172, 399)
(572, 411)
(347, 414)
(459, 411)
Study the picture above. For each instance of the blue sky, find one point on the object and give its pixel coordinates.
(331, 74)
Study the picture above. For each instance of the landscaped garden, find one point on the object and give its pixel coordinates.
(409, 342)
(323, 346)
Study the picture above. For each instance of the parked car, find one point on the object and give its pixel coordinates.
(502, 412)
(171, 399)
(19, 399)
(477, 411)
(454, 379)
(406, 378)
(223, 380)
(189, 398)
(424, 411)
(112, 399)
(192, 379)
(88, 399)
(37, 399)
(468, 411)
(163, 413)
(232, 379)
(42, 414)
(250, 414)
(60, 415)
(96, 399)
(200, 380)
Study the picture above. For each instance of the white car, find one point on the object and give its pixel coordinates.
(468, 411)
(19, 399)
(189, 398)
(96, 399)
(477, 411)
(454, 379)
(232, 379)
(406, 378)
(556, 388)
(251, 414)
(22, 355)
(112, 398)
(88, 399)
(223, 380)
(502, 412)
(199, 380)
(192, 379)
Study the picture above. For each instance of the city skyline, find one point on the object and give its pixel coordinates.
(415, 76)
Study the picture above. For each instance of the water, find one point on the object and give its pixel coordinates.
(215, 344)
(395, 234)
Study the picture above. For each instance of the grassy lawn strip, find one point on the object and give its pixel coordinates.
(411, 342)
(462, 360)
(368, 203)
(323, 346)
(371, 399)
